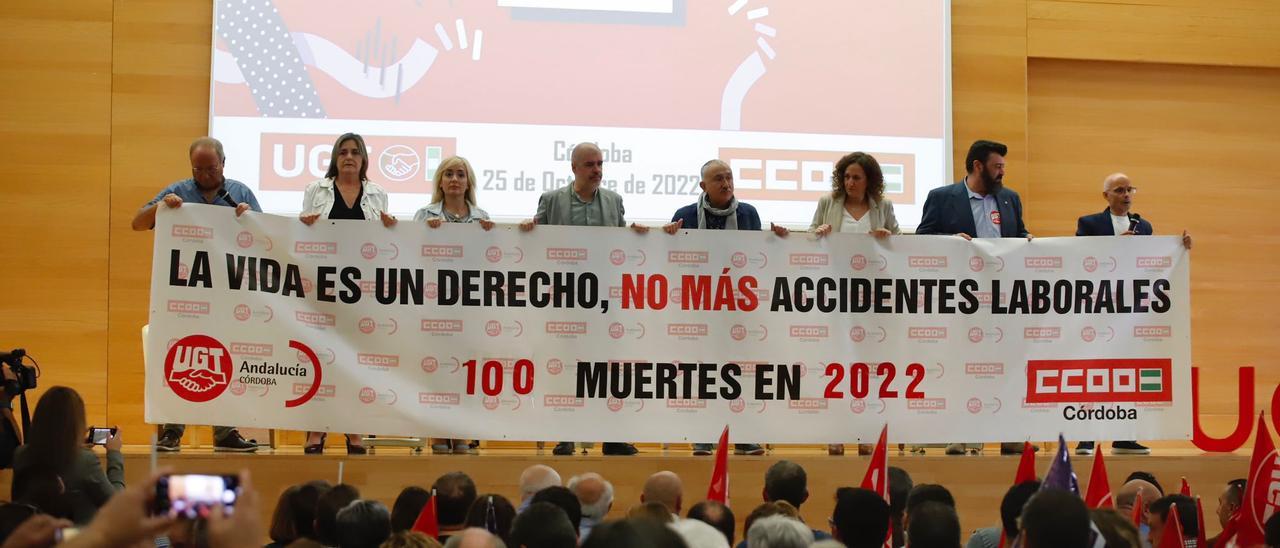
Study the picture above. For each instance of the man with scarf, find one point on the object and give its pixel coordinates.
(717, 209)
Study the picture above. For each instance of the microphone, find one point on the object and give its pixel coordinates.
(226, 197)
(1134, 221)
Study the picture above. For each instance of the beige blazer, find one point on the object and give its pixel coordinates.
(831, 212)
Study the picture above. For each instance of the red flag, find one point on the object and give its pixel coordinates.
(1138, 510)
(1099, 494)
(1026, 466)
(877, 477)
(1262, 467)
(1201, 538)
(1186, 488)
(427, 523)
(719, 489)
(1172, 537)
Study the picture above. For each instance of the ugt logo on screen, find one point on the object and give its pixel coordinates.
(198, 368)
(1100, 381)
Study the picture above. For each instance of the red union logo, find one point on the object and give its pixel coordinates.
(687, 329)
(687, 257)
(191, 231)
(198, 368)
(368, 395)
(430, 364)
(1088, 333)
(805, 404)
(976, 334)
(857, 333)
(617, 257)
(858, 262)
(251, 349)
(378, 360)
(555, 366)
(325, 390)
(614, 404)
(315, 248)
(808, 259)
(188, 307)
(738, 259)
(493, 254)
(1090, 264)
(400, 163)
(1041, 333)
(976, 264)
(567, 328)
(809, 331)
(738, 332)
(369, 250)
(1042, 263)
(1148, 380)
(686, 404)
(559, 400)
(617, 330)
(244, 239)
(367, 325)
(1152, 331)
(566, 254)
(931, 333)
(984, 368)
(242, 312)
(919, 261)
(1155, 262)
(493, 328)
(318, 319)
(441, 326)
(804, 175)
(927, 404)
(974, 405)
(442, 251)
(439, 398)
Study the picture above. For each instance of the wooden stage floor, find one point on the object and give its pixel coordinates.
(978, 482)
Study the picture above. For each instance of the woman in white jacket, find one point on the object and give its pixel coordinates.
(345, 193)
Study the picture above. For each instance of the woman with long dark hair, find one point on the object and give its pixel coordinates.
(56, 445)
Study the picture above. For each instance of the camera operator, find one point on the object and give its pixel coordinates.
(56, 445)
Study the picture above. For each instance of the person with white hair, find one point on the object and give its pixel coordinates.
(474, 537)
(698, 534)
(779, 531)
(596, 496)
(536, 478)
(665, 488)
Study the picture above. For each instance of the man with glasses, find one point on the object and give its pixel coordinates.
(1118, 220)
(206, 186)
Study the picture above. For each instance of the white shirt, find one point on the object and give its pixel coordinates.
(319, 197)
(1120, 223)
(859, 226)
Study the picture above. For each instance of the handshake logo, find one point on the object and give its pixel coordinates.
(198, 368)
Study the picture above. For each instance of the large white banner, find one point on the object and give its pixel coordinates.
(602, 334)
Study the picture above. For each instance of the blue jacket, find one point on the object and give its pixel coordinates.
(946, 211)
(748, 218)
(1099, 224)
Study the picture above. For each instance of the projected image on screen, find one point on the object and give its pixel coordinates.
(779, 89)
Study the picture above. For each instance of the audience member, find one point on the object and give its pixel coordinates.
(926, 492)
(633, 533)
(1055, 519)
(327, 508)
(934, 525)
(1117, 529)
(409, 539)
(1147, 477)
(1158, 517)
(543, 525)
(282, 531)
(787, 481)
(716, 515)
(1271, 531)
(565, 499)
(1228, 504)
(455, 492)
(655, 511)
(409, 504)
(503, 514)
(474, 537)
(595, 495)
(764, 510)
(664, 487)
(1010, 508)
(698, 534)
(363, 524)
(55, 446)
(779, 531)
(860, 518)
(900, 485)
(533, 479)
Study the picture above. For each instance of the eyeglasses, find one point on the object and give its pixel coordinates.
(1125, 190)
(206, 170)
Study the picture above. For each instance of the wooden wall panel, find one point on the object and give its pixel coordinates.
(1230, 32)
(55, 132)
(989, 82)
(1199, 142)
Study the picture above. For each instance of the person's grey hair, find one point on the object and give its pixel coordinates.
(1106, 183)
(779, 532)
(536, 478)
(711, 162)
(457, 539)
(827, 543)
(598, 509)
(698, 534)
(210, 142)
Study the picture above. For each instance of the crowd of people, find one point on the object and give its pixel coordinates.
(62, 493)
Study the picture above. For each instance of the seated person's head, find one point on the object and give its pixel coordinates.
(786, 481)
(565, 499)
(455, 492)
(633, 533)
(934, 525)
(699, 534)
(594, 493)
(327, 508)
(502, 511)
(860, 518)
(1011, 506)
(772, 508)
(409, 539)
(778, 531)
(363, 524)
(1159, 517)
(716, 515)
(1116, 528)
(408, 506)
(664, 487)
(1055, 519)
(475, 537)
(652, 511)
(536, 478)
(543, 525)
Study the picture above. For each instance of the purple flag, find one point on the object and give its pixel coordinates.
(1060, 474)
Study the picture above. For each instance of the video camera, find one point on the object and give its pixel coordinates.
(25, 375)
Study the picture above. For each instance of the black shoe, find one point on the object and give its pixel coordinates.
(236, 443)
(316, 449)
(1129, 448)
(356, 449)
(170, 442)
(753, 449)
(1084, 448)
(1015, 448)
(619, 449)
(563, 448)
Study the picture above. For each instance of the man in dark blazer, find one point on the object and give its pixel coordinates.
(978, 206)
(1118, 219)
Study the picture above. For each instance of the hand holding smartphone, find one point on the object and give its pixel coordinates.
(98, 435)
(194, 496)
